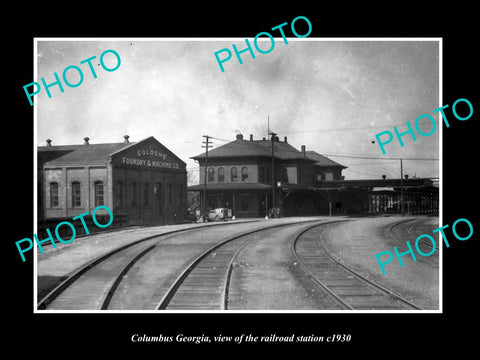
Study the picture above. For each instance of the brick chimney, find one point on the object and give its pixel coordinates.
(251, 137)
(285, 139)
(303, 151)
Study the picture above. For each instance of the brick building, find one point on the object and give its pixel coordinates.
(143, 183)
(239, 176)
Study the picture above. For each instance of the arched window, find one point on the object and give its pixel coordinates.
(211, 174)
(133, 204)
(221, 175)
(180, 195)
(233, 174)
(158, 191)
(53, 194)
(76, 199)
(146, 194)
(120, 194)
(244, 173)
(98, 190)
(170, 193)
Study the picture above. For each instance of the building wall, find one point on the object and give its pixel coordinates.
(148, 204)
(251, 168)
(149, 197)
(259, 171)
(244, 203)
(326, 173)
(86, 177)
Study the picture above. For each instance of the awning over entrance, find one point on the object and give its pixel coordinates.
(370, 184)
(230, 186)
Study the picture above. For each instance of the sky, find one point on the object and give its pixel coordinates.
(332, 96)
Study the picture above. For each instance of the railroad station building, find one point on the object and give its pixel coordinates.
(143, 183)
(239, 177)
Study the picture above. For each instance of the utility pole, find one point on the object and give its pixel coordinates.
(206, 146)
(274, 212)
(401, 185)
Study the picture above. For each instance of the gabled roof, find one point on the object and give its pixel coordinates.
(322, 160)
(96, 154)
(79, 154)
(254, 148)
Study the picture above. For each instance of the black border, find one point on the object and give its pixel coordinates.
(88, 333)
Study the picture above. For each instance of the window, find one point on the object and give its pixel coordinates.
(120, 194)
(221, 175)
(76, 199)
(233, 174)
(134, 194)
(146, 194)
(180, 194)
(284, 176)
(98, 193)
(261, 174)
(53, 194)
(329, 176)
(211, 175)
(158, 191)
(268, 178)
(244, 173)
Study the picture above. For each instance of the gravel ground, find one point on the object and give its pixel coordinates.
(266, 276)
(357, 242)
(68, 257)
(163, 263)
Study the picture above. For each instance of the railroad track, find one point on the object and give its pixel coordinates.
(405, 230)
(348, 288)
(205, 283)
(91, 287)
(106, 283)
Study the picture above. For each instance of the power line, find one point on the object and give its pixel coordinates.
(379, 158)
(343, 129)
(342, 155)
(212, 137)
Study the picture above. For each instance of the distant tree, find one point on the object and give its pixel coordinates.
(193, 197)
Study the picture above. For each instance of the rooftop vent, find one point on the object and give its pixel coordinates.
(49, 142)
(239, 137)
(86, 140)
(126, 137)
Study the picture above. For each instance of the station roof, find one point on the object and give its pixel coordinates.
(412, 183)
(263, 148)
(322, 160)
(230, 186)
(254, 148)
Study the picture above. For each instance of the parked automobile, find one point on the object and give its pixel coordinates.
(218, 214)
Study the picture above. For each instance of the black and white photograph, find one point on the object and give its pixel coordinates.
(260, 187)
(241, 179)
